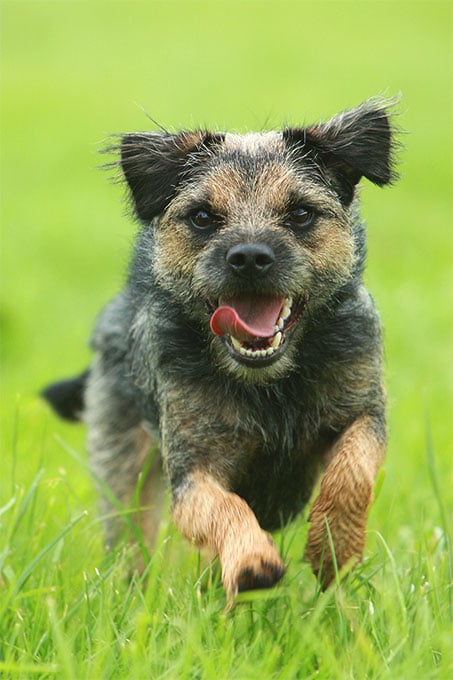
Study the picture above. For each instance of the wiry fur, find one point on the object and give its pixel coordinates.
(243, 443)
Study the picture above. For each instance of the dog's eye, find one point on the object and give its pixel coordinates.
(203, 219)
(301, 217)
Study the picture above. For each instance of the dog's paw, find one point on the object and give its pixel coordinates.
(261, 567)
(261, 575)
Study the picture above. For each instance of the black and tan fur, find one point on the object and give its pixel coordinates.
(243, 439)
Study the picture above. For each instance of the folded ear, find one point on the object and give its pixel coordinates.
(154, 164)
(355, 143)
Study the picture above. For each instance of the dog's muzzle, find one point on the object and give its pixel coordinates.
(253, 324)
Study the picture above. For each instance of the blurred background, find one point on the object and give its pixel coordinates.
(74, 73)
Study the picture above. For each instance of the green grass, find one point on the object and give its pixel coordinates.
(74, 72)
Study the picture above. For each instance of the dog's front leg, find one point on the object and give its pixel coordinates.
(209, 516)
(346, 493)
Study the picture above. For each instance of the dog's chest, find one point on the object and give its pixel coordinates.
(278, 484)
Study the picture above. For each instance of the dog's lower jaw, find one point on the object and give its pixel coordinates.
(262, 373)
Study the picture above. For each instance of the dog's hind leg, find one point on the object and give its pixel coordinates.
(127, 469)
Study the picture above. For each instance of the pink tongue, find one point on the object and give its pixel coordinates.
(247, 318)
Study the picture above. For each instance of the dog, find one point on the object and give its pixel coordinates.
(244, 344)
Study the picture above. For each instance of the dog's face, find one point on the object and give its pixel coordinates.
(248, 242)
(253, 233)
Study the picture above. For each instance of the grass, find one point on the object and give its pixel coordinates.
(73, 613)
(73, 72)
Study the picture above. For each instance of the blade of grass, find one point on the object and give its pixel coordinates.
(432, 467)
(26, 573)
(64, 650)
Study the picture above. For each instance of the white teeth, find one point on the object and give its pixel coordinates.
(258, 353)
(276, 340)
(285, 313)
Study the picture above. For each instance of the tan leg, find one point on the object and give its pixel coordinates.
(209, 516)
(345, 496)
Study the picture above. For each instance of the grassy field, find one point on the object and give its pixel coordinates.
(75, 72)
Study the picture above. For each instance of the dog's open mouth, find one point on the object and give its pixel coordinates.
(254, 327)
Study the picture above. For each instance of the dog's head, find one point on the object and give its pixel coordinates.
(253, 233)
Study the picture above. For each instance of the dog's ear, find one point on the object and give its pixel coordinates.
(354, 144)
(155, 163)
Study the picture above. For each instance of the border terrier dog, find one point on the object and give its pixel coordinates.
(244, 344)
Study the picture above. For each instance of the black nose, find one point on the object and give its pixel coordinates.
(250, 259)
